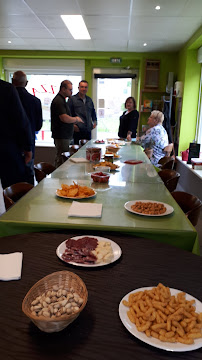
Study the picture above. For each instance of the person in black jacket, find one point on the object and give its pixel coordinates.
(15, 137)
(32, 107)
(129, 120)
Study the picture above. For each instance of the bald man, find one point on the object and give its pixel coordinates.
(32, 107)
(62, 123)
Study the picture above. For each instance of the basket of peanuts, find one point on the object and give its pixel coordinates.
(55, 301)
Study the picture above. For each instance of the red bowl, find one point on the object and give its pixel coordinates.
(100, 177)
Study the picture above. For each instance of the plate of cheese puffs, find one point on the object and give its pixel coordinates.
(163, 317)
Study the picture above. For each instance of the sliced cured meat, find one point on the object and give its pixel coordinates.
(80, 250)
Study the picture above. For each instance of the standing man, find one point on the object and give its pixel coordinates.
(32, 107)
(15, 137)
(82, 105)
(62, 123)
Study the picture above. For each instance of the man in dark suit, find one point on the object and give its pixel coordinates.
(32, 107)
(15, 137)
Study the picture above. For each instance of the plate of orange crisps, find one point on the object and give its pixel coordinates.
(75, 191)
(163, 317)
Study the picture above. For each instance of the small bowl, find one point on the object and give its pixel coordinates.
(113, 149)
(68, 280)
(100, 177)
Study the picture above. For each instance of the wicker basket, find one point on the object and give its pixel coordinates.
(68, 280)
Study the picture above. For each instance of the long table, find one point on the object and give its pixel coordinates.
(42, 210)
(97, 333)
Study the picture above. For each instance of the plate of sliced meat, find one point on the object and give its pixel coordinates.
(88, 251)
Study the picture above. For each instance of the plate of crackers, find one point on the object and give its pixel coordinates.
(75, 192)
(148, 208)
(107, 163)
(163, 317)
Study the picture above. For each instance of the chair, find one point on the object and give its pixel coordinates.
(82, 142)
(148, 152)
(46, 167)
(16, 191)
(190, 204)
(166, 162)
(8, 202)
(39, 174)
(65, 155)
(73, 149)
(170, 178)
(168, 149)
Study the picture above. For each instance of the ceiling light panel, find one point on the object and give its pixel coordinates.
(76, 26)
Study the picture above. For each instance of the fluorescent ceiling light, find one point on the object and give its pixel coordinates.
(76, 26)
(157, 7)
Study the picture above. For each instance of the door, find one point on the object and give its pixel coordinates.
(110, 94)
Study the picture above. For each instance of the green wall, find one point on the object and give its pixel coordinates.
(183, 64)
(189, 72)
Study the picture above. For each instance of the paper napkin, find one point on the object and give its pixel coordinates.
(79, 160)
(10, 266)
(85, 209)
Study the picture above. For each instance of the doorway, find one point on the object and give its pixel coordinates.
(110, 93)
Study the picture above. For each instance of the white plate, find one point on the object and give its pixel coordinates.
(97, 167)
(115, 248)
(77, 198)
(127, 205)
(153, 341)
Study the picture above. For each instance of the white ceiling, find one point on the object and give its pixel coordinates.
(114, 25)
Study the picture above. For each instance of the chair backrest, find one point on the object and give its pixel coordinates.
(148, 152)
(73, 149)
(190, 204)
(168, 149)
(16, 191)
(8, 202)
(82, 142)
(166, 162)
(39, 174)
(170, 178)
(46, 167)
(65, 155)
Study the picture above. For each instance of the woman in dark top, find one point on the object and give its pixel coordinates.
(129, 120)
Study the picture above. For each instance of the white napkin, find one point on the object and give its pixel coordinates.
(10, 266)
(79, 160)
(85, 209)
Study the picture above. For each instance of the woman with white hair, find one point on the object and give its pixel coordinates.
(156, 137)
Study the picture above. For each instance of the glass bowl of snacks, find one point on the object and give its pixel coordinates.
(49, 303)
(101, 177)
(113, 148)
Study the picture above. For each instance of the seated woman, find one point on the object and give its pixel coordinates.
(129, 120)
(156, 137)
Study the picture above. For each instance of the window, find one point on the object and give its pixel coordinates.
(46, 87)
(44, 78)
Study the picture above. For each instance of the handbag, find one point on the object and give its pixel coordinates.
(185, 155)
